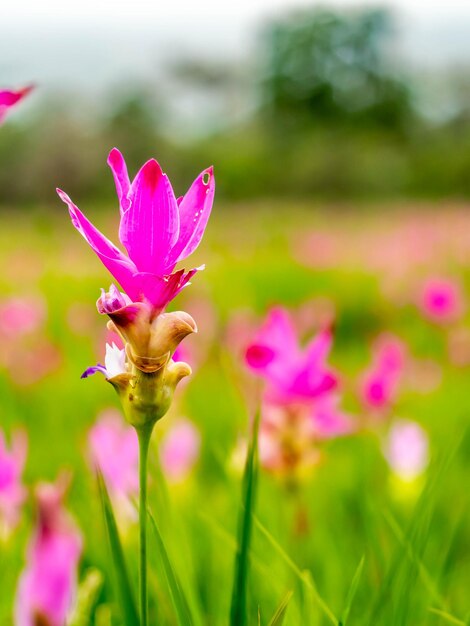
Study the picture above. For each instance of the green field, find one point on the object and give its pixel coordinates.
(354, 545)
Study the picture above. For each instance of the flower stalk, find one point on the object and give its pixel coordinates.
(143, 433)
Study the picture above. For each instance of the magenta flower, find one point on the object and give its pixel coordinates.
(292, 374)
(9, 99)
(179, 450)
(12, 492)
(381, 382)
(48, 584)
(157, 230)
(441, 300)
(407, 449)
(114, 451)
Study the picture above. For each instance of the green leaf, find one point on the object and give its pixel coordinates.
(126, 598)
(352, 592)
(88, 592)
(238, 609)
(178, 598)
(278, 618)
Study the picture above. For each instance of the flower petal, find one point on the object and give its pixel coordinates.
(194, 210)
(150, 226)
(121, 178)
(92, 370)
(160, 291)
(112, 258)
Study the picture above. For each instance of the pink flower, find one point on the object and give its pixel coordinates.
(48, 584)
(9, 99)
(12, 492)
(407, 449)
(441, 300)
(380, 383)
(157, 230)
(293, 374)
(329, 420)
(179, 450)
(21, 316)
(114, 450)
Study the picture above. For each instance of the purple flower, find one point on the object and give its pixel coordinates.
(293, 374)
(157, 230)
(115, 363)
(12, 492)
(9, 99)
(380, 383)
(48, 583)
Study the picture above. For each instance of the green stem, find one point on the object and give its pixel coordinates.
(144, 433)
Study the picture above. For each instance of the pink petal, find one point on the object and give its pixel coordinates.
(258, 357)
(112, 258)
(160, 291)
(150, 226)
(194, 210)
(121, 178)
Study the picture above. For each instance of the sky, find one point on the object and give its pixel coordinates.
(91, 44)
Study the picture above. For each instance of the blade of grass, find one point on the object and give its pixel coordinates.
(278, 618)
(305, 577)
(126, 598)
(352, 592)
(448, 617)
(178, 598)
(238, 609)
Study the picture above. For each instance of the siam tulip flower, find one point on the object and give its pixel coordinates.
(12, 492)
(9, 99)
(157, 230)
(179, 450)
(407, 450)
(114, 451)
(48, 584)
(292, 374)
(381, 382)
(441, 300)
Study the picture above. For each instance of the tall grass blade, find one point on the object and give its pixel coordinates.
(305, 577)
(177, 595)
(125, 596)
(278, 618)
(352, 592)
(238, 609)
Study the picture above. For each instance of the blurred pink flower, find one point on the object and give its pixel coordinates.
(179, 450)
(329, 420)
(9, 99)
(407, 449)
(380, 383)
(21, 315)
(292, 374)
(114, 450)
(157, 230)
(441, 300)
(12, 492)
(47, 586)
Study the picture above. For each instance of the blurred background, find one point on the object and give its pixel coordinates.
(288, 97)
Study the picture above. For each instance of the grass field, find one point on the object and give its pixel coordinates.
(353, 543)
